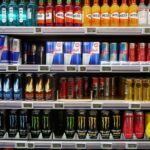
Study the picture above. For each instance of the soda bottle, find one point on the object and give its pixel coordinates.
(41, 14)
(114, 11)
(59, 14)
(133, 14)
(96, 14)
(143, 13)
(105, 14)
(124, 13)
(77, 14)
(49, 13)
(87, 12)
(69, 13)
(148, 13)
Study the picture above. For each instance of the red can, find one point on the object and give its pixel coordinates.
(141, 52)
(132, 52)
(63, 88)
(148, 52)
(86, 87)
(95, 83)
(101, 86)
(78, 88)
(70, 88)
(139, 124)
(128, 124)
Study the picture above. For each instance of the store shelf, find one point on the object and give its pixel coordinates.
(75, 30)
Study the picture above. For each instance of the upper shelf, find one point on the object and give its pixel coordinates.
(75, 30)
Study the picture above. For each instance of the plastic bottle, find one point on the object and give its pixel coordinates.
(114, 12)
(96, 14)
(124, 14)
(87, 13)
(148, 13)
(49, 13)
(133, 14)
(69, 13)
(105, 14)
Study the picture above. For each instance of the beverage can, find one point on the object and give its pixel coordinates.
(147, 124)
(141, 52)
(1, 87)
(132, 52)
(138, 90)
(148, 51)
(105, 51)
(107, 87)
(86, 87)
(113, 51)
(40, 59)
(25, 49)
(2, 123)
(146, 89)
(113, 86)
(70, 88)
(78, 88)
(123, 53)
(128, 89)
(95, 87)
(101, 86)
(32, 54)
(63, 88)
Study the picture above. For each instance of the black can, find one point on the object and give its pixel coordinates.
(32, 56)
(25, 53)
(23, 124)
(1, 87)
(95, 87)
(46, 124)
(116, 124)
(86, 87)
(2, 123)
(35, 124)
(105, 124)
(13, 123)
(82, 124)
(40, 55)
(70, 124)
(92, 124)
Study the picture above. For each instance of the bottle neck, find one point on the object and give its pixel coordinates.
(133, 2)
(4, 1)
(21, 1)
(77, 3)
(69, 2)
(96, 2)
(49, 2)
(59, 2)
(142, 1)
(124, 1)
(87, 2)
(32, 1)
(41, 3)
(115, 2)
(105, 2)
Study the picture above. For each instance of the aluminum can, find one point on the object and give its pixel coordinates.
(148, 52)
(123, 53)
(63, 88)
(113, 88)
(86, 87)
(40, 59)
(95, 87)
(1, 87)
(78, 88)
(141, 52)
(107, 87)
(2, 123)
(128, 89)
(105, 51)
(113, 51)
(101, 86)
(147, 124)
(70, 88)
(146, 89)
(32, 55)
(25, 53)
(132, 52)
(138, 90)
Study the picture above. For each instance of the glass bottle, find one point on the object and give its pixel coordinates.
(49, 13)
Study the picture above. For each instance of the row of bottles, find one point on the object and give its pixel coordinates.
(46, 14)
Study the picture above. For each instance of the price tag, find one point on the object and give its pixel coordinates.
(107, 146)
(145, 69)
(147, 30)
(80, 146)
(83, 69)
(12, 68)
(44, 68)
(20, 145)
(135, 106)
(27, 106)
(31, 145)
(91, 30)
(106, 69)
(71, 68)
(38, 30)
(56, 146)
(97, 106)
(132, 146)
(59, 106)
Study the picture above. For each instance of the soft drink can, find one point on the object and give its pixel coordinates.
(105, 124)
(46, 124)
(132, 52)
(123, 53)
(7, 87)
(72, 53)
(147, 124)
(63, 88)
(82, 125)
(40, 55)
(70, 88)
(138, 90)
(105, 51)
(78, 88)
(54, 53)
(113, 51)
(23, 124)
(128, 89)
(17, 87)
(29, 87)
(128, 124)
(107, 87)
(141, 52)
(35, 124)
(139, 124)
(32, 55)
(39, 89)
(25, 53)
(1, 87)
(113, 86)
(13, 123)
(91, 53)
(2, 123)
(148, 52)
(101, 86)
(70, 124)
(92, 124)
(86, 87)
(146, 89)
(95, 87)
(116, 124)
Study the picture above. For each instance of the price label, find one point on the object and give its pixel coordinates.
(91, 30)
(82, 69)
(31, 145)
(57, 145)
(106, 69)
(20, 145)
(97, 106)
(106, 146)
(80, 146)
(71, 68)
(147, 30)
(38, 30)
(59, 106)
(135, 106)
(12, 68)
(27, 105)
(145, 69)
(44, 68)
(132, 146)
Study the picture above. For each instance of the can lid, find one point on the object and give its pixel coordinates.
(82, 112)
(93, 112)
(105, 112)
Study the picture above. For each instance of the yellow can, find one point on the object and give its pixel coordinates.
(146, 89)
(147, 124)
(128, 89)
(138, 90)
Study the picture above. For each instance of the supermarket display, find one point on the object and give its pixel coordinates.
(72, 13)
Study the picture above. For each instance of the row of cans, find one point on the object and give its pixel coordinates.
(28, 87)
(135, 89)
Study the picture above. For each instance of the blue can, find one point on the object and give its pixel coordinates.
(7, 87)
(72, 53)
(123, 53)
(54, 53)
(91, 53)
(113, 51)
(105, 51)
(1, 88)
(17, 87)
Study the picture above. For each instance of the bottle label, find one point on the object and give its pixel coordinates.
(11, 14)
(20, 15)
(40, 16)
(48, 15)
(29, 13)
(69, 17)
(133, 15)
(96, 16)
(143, 17)
(124, 15)
(60, 15)
(77, 16)
(115, 15)
(105, 15)
(89, 16)
(4, 15)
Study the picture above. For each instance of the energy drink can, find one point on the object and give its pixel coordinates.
(63, 88)
(116, 124)
(113, 51)
(40, 55)
(128, 89)
(132, 52)
(35, 124)
(113, 87)
(92, 124)
(17, 87)
(139, 124)
(29, 87)
(138, 90)
(1, 87)
(148, 52)
(82, 124)
(25, 53)
(70, 88)
(70, 124)
(101, 86)
(105, 51)
(78, 88)
(33, 54)
(13, 123)
(141, 52)
(86, 87)
(146, 90)
(7, 87)
(23, 124)
(46, 124)
(2, 123)
(95, 87)
(147, 124)
(105, 124)
(123, 54)
(128, 124)
(39, 89)
(107, 87)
